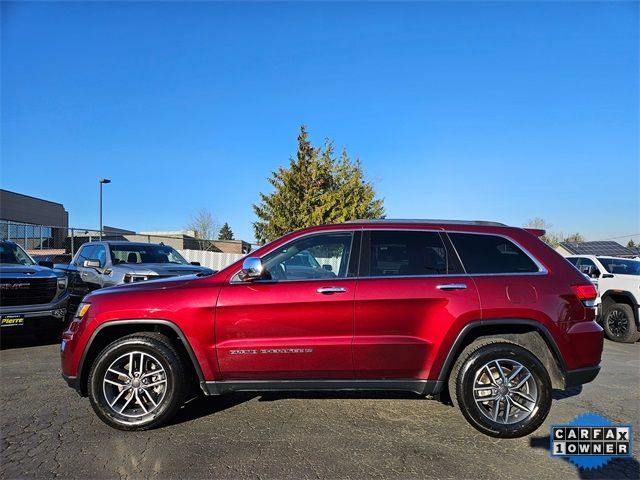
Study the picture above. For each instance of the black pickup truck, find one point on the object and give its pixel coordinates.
(32, 297)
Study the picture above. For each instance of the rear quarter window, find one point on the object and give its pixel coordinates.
(491, 254)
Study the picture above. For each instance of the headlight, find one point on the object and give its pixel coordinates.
(62, 283)
(134, 277)
(83, 308)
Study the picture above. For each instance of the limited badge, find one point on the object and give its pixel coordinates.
(590, 441)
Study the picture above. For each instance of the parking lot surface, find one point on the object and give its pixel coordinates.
(48, 431)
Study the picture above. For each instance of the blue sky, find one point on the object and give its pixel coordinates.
(485, 110)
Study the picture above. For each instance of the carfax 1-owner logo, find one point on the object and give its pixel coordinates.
(591, 441)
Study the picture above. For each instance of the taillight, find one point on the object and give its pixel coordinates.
(587, 293)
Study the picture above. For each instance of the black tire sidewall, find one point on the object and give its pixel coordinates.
(472, 412)
(629, 332)
(173, 396)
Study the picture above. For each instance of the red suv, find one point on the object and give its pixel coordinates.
(483, 311)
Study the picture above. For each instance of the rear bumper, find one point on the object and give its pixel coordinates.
(580, 376)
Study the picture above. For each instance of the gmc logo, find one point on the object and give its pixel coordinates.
(14, 286)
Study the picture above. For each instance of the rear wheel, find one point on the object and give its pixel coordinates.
(137, 382)
(501, 388)
(619, 324)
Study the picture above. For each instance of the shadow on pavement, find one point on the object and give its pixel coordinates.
(618, 468)
(568, 393)
(10, 340)
(202, 406)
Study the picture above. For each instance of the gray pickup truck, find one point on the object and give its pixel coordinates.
(109, 263)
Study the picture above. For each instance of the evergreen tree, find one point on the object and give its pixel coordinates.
(317, 188)
(631, 244)
(225, 232)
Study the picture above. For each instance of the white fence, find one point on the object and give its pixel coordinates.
(214, 260)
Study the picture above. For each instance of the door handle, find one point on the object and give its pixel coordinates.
(330, 290)
(452, 286)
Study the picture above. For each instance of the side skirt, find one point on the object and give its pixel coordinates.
(421, 387)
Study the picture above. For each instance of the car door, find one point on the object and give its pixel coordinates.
(78, 288)
(93, 277)
(292, 324)
(411, 296)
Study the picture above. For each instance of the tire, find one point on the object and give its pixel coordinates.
(528, 404)
(139, 394)
(619, 323)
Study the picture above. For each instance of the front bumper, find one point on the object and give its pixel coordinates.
(580, 376)
(42, 310)
(71, 381)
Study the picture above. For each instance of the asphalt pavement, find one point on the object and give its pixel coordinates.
(48, 431)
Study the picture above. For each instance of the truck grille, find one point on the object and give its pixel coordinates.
(27, 291)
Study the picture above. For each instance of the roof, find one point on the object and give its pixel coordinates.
(437, 221)
(602, 248)
(31, 196)
(120, 242)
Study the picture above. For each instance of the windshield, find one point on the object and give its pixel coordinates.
(145, 254)
(621, 266)
(14, 254)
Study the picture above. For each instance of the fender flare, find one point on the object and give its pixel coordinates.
(626, 294)
(456, 347)
(146, 321)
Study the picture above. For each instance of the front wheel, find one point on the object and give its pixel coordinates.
(137, 382)
(502, 389)
(619, 324)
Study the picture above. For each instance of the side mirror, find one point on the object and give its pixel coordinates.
(197, 264)
(91, 263)
(45, 263)
(252, 269)
(590, 271)
(327, 267)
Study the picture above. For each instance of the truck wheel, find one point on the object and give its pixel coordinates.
(619, 324)
(137, 382)
(502, 389)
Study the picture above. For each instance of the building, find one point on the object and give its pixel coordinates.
(180, 240)
(33, 222)
(188, 241)
(604, 248)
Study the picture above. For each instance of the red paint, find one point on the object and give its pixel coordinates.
(379, 328)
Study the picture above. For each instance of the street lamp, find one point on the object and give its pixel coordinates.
(102, 181)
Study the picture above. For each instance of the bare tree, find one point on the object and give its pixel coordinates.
(552, 238)
(204, 228)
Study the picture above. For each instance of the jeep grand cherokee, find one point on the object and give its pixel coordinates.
(483, 311)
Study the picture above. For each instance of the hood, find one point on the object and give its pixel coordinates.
(160, 284)
(11, 270)
(163, 268)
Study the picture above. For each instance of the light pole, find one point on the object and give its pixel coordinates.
(102, 181)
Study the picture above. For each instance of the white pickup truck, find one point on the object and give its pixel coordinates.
(618, 283)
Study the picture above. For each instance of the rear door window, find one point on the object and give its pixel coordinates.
(407, 253)
(486, 254)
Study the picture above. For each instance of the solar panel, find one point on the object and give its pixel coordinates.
(604, 248)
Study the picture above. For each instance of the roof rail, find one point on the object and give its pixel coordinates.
(428, 220)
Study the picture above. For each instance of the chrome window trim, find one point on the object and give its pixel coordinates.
(541, 269)
(352, 231)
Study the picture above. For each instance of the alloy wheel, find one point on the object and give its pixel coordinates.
(617, 322)
(135, 384)
(505, 391)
